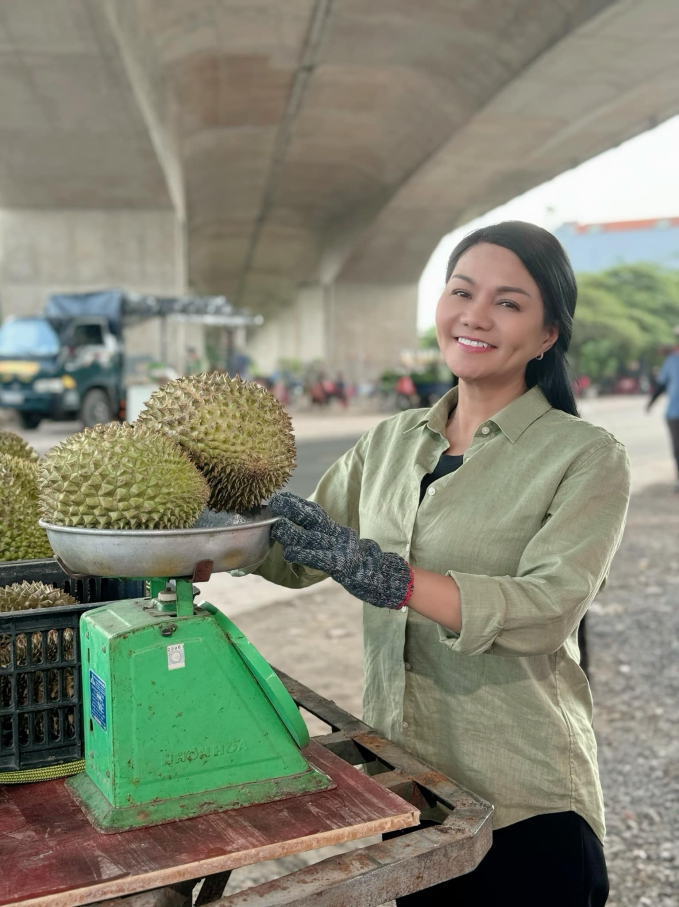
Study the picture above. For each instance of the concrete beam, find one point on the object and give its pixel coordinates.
(71, 135)
(614, 76)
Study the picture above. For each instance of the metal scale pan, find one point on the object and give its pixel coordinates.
(128, 553)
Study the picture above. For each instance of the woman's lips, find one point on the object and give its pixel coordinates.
(474, 349)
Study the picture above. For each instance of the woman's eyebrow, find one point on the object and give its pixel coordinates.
(513, 290)
(499, 289)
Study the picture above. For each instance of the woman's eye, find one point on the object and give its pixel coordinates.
(463, 293)
(509, 303)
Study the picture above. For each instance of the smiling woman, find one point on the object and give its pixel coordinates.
(478, 533)
(512, 287)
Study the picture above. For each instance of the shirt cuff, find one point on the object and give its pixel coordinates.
(482, 610)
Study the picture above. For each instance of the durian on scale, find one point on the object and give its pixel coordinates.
(120, 476)
(235, 431)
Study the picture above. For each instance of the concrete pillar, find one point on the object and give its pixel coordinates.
(367, 327)
(357, 329)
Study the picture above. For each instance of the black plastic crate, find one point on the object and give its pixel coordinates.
(40, 684)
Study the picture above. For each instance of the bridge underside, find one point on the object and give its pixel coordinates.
(302, 157)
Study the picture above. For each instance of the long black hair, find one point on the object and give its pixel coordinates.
(544, 258)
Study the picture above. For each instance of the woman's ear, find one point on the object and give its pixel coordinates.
(551, 335)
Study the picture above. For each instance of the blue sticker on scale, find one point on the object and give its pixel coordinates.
(98, 699)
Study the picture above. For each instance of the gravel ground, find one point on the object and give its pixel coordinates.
(634, 648)
(633, 632)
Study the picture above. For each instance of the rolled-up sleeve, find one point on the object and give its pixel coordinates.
(338, 493)
(561, 569)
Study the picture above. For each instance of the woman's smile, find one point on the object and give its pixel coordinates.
(472, 345)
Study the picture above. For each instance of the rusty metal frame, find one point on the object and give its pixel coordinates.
(409, 862)
(455, 841)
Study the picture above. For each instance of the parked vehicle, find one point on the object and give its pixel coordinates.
(69, 363)
(61, 368)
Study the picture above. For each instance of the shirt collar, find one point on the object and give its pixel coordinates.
(513, 420)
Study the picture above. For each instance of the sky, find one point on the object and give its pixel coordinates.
(638, 179)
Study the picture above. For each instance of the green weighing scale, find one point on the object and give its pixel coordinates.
(182, 715)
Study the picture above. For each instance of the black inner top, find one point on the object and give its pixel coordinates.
(447, 463)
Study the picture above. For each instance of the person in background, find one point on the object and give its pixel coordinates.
(341, 389)
(194, 363)
(668, 382)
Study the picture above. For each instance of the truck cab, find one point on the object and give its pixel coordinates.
(61, 368)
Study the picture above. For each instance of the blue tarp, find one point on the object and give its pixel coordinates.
(105, 303)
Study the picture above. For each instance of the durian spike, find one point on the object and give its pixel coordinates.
(15, 446)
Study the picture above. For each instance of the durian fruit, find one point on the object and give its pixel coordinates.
(23, 597)
(15, 446)
(20, 536)
(120, 476)
(235, 431)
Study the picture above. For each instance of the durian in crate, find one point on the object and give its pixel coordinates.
(120, 476)
(235, 431)
(20, 536)
(43, 647)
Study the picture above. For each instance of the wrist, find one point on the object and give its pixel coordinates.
(409, 589)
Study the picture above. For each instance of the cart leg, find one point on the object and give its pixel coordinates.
(213, 888)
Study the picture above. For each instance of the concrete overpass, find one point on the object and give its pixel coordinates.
(303, 157)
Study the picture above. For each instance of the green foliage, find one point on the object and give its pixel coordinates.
(624, 315)
(428, 339)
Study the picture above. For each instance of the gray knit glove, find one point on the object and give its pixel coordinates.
(311, 538)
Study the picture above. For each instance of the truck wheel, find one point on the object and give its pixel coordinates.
(96, 408)
(29, 420)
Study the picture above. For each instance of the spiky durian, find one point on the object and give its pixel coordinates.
(120, 476)
(235, 431)
(14, 446)
(20, 536)
(22, 596)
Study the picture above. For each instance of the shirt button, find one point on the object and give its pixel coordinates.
(407, 665)
(485, 430)
(431, 490)
(405, 724)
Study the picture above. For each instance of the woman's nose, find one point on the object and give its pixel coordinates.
(477, 315)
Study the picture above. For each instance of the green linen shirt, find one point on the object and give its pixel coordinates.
(527, 527)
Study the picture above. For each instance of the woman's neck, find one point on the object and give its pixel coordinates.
(476, 404)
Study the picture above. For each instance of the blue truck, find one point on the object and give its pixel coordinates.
(69, 362)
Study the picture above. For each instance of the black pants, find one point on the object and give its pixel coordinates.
(673, 425)
(553, 860)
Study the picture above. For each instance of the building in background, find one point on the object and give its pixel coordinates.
(595, 247)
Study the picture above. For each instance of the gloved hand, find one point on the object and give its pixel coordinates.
(310, 537)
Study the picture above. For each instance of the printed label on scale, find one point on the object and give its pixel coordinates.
(175, 656)
(98, 700)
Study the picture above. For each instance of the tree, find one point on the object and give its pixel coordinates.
(428, 339)
(624, 314)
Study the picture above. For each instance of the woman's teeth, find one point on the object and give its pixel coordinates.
(465, 342)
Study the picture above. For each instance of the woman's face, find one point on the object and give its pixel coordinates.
(491, 298)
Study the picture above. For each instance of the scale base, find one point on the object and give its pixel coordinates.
(109, 819)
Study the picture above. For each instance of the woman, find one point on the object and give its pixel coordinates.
(477, 533)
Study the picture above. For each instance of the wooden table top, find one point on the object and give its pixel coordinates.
(50, 854)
